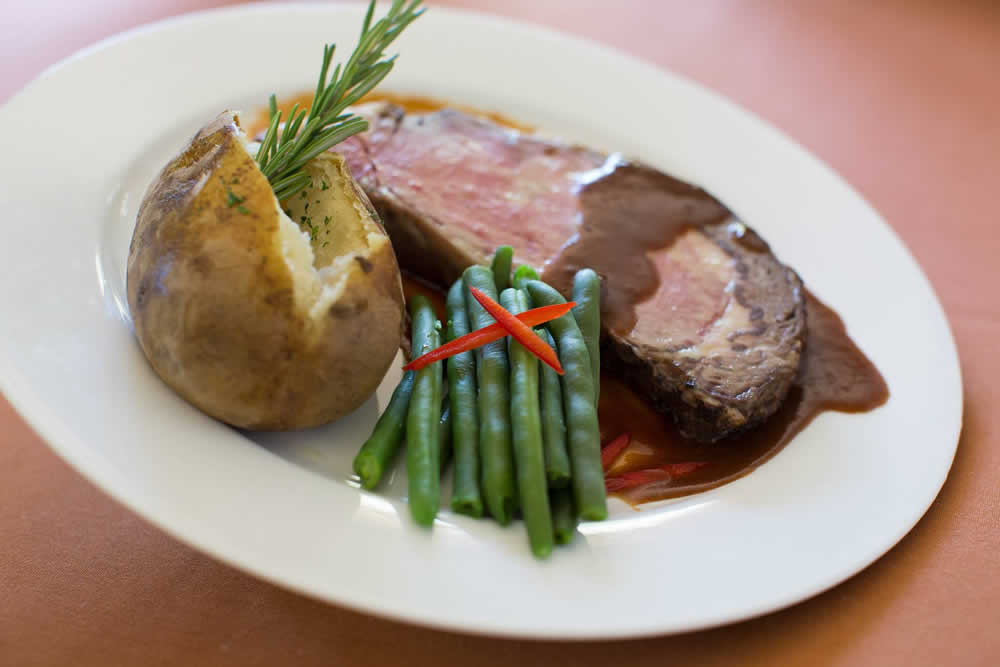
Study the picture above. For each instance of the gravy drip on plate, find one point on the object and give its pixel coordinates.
(834, 375)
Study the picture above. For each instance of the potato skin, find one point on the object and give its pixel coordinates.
(212, 299)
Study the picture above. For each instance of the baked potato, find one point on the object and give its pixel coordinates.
(265, 315)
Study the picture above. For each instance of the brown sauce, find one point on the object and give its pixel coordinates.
(620, 252)
(834, 375)
(412, 103)
(412, 285)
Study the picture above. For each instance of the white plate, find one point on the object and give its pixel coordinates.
(82, 142)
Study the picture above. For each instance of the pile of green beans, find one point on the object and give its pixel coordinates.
(522, 440)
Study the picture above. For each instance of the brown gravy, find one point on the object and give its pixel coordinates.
(622, 251)
(413, 285)
(412, 103)
(834, 373)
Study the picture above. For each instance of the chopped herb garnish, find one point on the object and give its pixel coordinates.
(307, 221)
(233, 199)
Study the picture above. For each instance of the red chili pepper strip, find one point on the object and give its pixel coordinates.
(613, 450)
(662, 473)
(519, 330)
(480, 337)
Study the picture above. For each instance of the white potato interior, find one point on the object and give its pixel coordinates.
(325, 235)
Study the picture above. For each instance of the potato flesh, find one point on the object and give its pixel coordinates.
(327, 235)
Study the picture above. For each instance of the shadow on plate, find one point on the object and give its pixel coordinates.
(325, 450)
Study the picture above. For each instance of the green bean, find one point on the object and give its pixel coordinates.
(423, 469)
(587, 311)
(583, 434)
(381, 446)
(465, 496)
(526, 433)
(494, 405)
(557, 468)
(523, 274)
(563, 516)
(503, 259)
(422, 323)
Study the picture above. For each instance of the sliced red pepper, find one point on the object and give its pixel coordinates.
(480, 337)
(662, 473)
(519, 330)
(613, 450)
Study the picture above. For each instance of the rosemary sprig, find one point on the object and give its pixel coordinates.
(283, 152)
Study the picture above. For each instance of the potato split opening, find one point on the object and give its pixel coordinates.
(337, 227)
(325, 234)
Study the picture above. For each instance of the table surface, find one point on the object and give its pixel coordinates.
(899, 96)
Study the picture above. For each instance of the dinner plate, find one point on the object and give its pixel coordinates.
(82, 142)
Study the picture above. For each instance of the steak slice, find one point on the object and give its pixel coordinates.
(698, 314)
